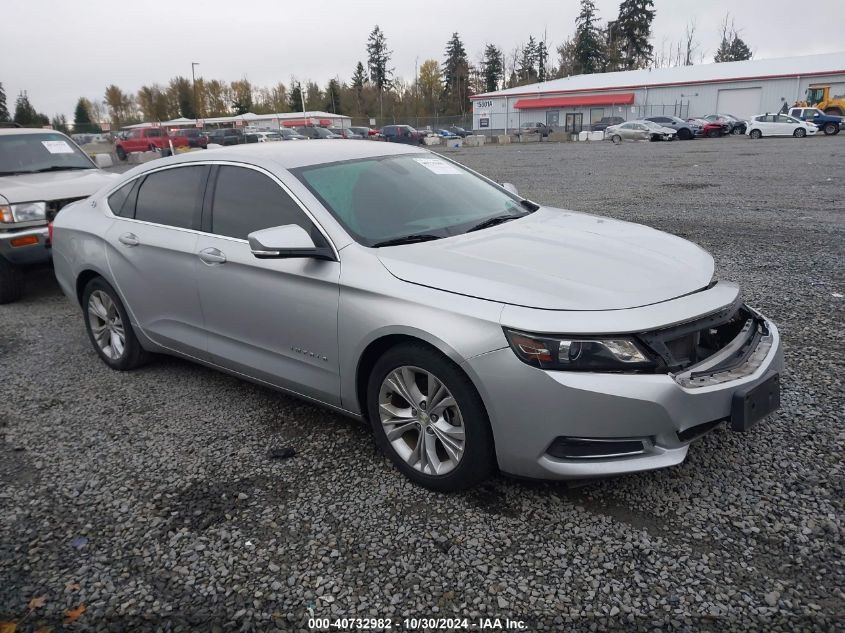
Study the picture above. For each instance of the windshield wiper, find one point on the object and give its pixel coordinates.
(59, 168)
(498, 219)
(407, 239)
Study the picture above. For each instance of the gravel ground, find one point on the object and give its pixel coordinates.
(150, 497)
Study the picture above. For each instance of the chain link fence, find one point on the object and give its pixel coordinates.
(435, 122)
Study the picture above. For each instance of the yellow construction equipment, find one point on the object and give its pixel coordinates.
(819, 96)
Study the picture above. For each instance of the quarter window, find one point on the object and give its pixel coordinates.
(171, 197)
(117, 201)
(246, 200)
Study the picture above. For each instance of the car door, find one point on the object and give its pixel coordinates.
(135, 142)
(151, 255)
(271, 319)
(783, 125)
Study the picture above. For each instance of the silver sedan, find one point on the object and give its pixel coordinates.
(639, 131)
(470, 327)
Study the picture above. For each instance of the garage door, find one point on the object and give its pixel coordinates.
(741, 102)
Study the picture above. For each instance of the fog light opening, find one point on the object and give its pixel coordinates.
(593, 448)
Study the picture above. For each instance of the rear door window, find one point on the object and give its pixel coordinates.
(172, 197)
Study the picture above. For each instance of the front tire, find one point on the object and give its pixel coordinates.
(737, 131)
(684, 134)
(799, 133)
(714, 133)
(755, 134)
(11, 282)
(616, 139)
(108, 327)
(121, 153)
(428, 418)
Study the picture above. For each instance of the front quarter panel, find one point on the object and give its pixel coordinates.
(375, 304)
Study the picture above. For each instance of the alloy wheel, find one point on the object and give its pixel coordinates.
(106, 325)
(422, 420)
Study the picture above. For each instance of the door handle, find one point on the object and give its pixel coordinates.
(212, 256)
(129, 239)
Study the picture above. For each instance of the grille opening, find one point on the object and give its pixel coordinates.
(54, 206)
(691, 343)
(586, 448)
(697, 431)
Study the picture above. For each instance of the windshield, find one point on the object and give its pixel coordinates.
(384, 198)
(30, 153)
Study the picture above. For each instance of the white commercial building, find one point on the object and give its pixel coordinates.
(742, 89)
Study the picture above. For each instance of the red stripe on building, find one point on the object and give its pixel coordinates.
(572, 102)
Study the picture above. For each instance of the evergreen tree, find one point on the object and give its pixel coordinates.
(359, 77)
(332, 97)
(82, 123)
(493, 68)
(732, 48)
(378, 58)
(25, 113)
(180, 96)
(528, 61)
(4, 110)
(588, 53)
(542, 61)
(633, 31)
(739, 50)
(295, 102)
(455, 77)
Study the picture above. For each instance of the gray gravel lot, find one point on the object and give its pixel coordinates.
(149, 496)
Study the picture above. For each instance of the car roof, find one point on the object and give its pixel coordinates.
(27, 130)
(293, 155)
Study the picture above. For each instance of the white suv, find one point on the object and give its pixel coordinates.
(40, 172)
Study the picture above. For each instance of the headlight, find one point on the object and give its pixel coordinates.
(26, 212)
(580, 353)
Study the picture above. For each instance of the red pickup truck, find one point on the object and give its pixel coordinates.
(148, 138)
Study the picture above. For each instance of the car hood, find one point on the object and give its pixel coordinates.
(557, 260)
(54, 185)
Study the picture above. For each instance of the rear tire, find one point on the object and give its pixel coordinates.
(830, 128)
(755, 134)
(420, 439)
(11, 282)
(121, 153)
(737, 131)
(799, 133)
(106, 321)
(714, 133)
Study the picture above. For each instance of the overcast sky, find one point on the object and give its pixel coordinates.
(58, 50)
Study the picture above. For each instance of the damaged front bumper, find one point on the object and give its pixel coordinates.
(571, 425)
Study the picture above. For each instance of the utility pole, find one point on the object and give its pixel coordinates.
(196, 102)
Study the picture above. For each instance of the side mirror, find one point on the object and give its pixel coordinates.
(286, 242)
(510, 187)
(103, 161)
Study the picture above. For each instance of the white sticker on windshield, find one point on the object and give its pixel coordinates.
(438, 166)
(57, 147)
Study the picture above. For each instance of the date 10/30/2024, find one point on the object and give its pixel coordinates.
(416, 624)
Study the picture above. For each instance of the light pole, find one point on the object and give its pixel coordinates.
(196, 105)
